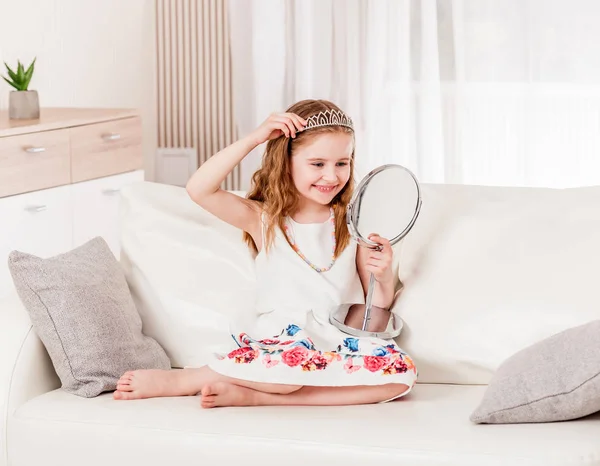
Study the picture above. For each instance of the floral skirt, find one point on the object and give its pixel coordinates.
(317, 356)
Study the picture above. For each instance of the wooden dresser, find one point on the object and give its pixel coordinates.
(60, 178)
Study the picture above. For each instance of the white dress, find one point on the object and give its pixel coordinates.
(291, 341)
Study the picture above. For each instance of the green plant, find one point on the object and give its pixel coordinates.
(21, 78)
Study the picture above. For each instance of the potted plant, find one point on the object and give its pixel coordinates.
(23, 104)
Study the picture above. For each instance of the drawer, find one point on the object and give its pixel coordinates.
(104, 149)
(30, 162)
(38, 223)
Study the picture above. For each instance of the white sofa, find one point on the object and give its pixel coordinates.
(487, 271)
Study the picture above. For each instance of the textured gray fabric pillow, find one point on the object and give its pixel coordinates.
(556, 379)
(81, 309)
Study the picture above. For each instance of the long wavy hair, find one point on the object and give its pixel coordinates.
(273, 186)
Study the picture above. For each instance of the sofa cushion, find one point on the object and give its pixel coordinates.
(189, 272)
(80, 307)
(489, 271)
(556, 379)
(429, 427)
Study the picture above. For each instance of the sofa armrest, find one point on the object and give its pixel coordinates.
(26, 370)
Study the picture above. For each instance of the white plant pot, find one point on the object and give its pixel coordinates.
(23, 105)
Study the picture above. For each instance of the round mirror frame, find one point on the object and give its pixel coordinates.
(353, 207)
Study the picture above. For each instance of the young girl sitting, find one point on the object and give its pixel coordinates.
(294, 220)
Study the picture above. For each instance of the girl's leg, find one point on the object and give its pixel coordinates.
(226, 394)
(134, 385)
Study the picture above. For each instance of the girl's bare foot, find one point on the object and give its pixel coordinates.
(227, 394)
(135, 385)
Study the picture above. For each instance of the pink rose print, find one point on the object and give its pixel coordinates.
(243, 355)
(317, 362)
(374, 363)
(295, 356)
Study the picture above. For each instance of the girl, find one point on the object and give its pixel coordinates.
(294, 220)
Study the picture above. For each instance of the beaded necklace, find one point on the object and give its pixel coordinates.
(303, 257)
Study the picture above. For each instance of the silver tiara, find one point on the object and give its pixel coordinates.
(329, 118)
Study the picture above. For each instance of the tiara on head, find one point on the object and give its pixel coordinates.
(329, 118)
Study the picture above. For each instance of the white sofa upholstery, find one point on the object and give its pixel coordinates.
(487, 271)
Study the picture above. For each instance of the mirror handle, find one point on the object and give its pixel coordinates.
(368, 303)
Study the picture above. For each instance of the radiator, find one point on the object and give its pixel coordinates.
(195, 105)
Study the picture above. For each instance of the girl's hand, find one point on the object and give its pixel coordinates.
(379, 263)
(278, 124)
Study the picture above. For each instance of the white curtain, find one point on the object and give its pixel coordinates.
(491, 92)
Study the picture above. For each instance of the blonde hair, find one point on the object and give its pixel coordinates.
(273, 186)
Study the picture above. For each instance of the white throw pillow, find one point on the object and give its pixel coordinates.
(189, 272)
(489, 271)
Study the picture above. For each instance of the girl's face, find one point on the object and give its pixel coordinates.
(321, 167)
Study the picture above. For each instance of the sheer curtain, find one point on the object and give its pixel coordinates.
(492, 92)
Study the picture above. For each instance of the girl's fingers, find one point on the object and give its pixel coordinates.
(377, 265)
(290, 127)
(297, 117)
(378, 239)
(284, 128)
(289, 124)
(299, 122)
(380, 255)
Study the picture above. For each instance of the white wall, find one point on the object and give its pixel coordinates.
(90, 53)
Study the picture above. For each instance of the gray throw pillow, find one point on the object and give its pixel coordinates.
(556, 379)
(81, 309)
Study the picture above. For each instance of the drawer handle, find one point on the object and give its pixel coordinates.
(110, 191)
(36, 208)
(111, 136)
(35, 150)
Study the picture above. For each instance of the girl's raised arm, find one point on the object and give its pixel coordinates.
(204, 185)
